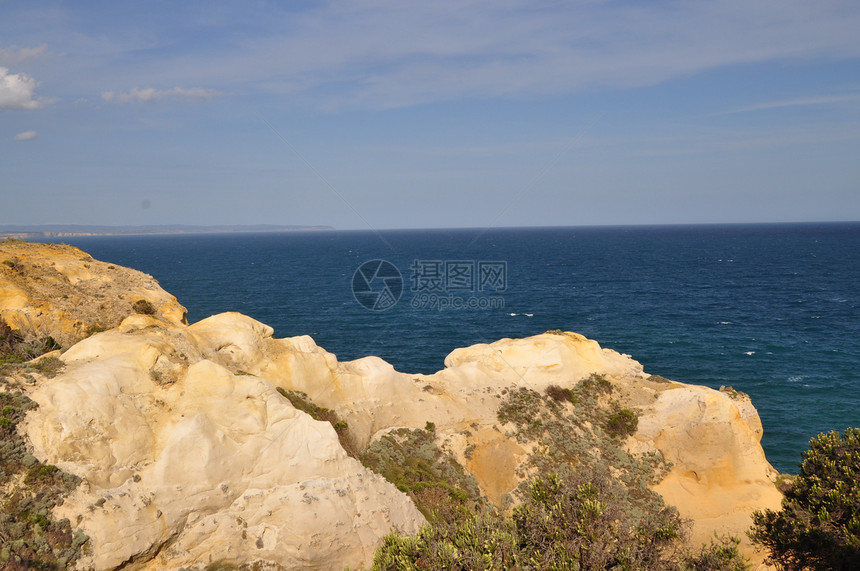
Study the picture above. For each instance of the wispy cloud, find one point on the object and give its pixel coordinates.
(26, 136)
(388, 53)
(18, 91)
(150, 94)
(801, 102)
(385, 53)
(13, 55)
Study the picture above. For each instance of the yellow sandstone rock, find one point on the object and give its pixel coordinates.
(189, 454)
(61, 291)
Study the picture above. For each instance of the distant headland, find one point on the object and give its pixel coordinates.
(62, 230)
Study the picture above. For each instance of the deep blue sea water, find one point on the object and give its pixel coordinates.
(773, 310)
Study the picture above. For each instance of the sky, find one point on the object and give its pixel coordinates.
(377, 114)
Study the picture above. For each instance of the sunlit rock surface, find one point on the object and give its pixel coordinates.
(190, 455)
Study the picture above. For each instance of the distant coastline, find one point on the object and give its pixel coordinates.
(75, 230)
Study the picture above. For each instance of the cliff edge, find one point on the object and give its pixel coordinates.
(190, 450)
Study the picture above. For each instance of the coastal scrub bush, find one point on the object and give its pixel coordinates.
(95, 328)
(9, 339)
(559, 394)
(622, 424)
(565, 522)
(411, 460)
(594, 384)
(29, 537)
(818, 526)
(585, 503)
(721, 554)
(14, 349)
(143, 307)
(14, 264)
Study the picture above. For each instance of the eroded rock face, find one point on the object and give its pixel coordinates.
(191, 463)
(190, 455)
(61, 291)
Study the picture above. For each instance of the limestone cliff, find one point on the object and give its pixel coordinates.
(189, 454)
(60, 291)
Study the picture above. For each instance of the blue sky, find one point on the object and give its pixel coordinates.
(429, 114)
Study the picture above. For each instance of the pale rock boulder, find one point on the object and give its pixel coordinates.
(173, 464)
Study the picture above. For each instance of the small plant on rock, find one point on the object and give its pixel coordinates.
(559, 394)
(622, 424)
(143, 307)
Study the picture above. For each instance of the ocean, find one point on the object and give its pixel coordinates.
(771, 310)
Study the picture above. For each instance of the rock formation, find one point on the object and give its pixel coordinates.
(60, 291)
(189, 454)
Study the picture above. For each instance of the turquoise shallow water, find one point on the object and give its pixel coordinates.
(771, 310)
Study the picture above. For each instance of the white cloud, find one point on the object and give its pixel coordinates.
(18, 91)
(13, 55)
(151, 94)
(26, 136)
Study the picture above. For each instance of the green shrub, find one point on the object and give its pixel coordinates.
(818, 526)
(559, 394)
(595, 384)
(623, 423)
(143, 307)
(721, 554)
(411, 460)
(31, 491)
(571, 522)
(95, 328)
(48, 366)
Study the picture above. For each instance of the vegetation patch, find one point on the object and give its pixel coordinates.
(583, 433)
(14, 264)
(818, 526)
(49, 366)
(143, 307)
(300, 401)
(565, 522)
(15, 351)
(559, 394)
(411, 460)
(622, 423)
(585, 503)
(733, 393)
(29, 537)
(95, 328)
